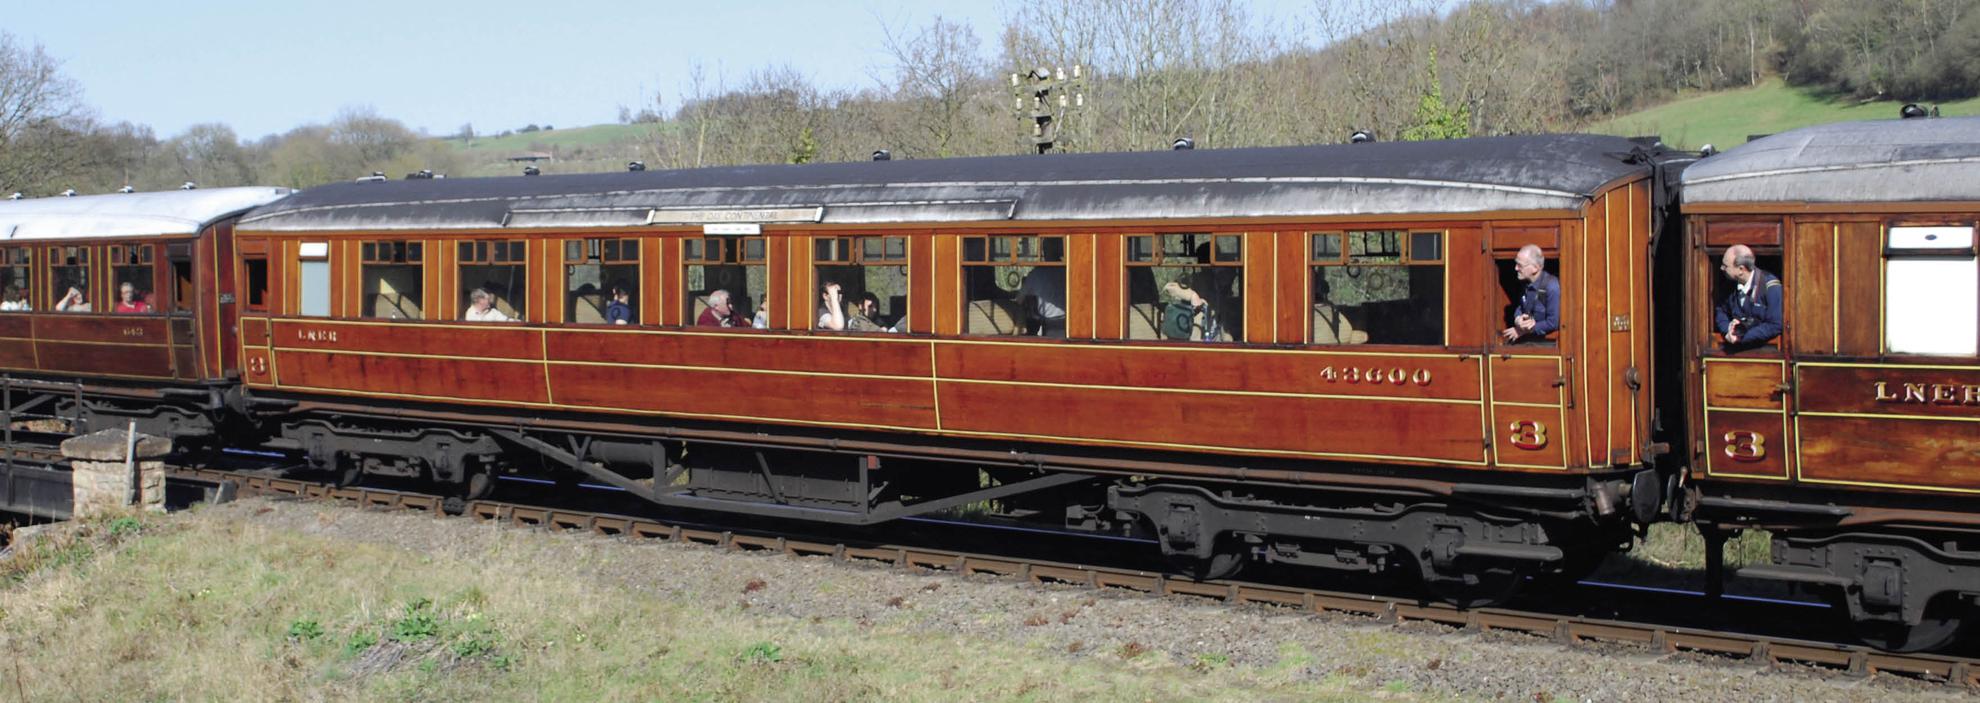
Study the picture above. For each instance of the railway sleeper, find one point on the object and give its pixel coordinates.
(1467, 557)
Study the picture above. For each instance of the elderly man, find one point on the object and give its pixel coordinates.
(1752, 314)
(720, 312)
(1539, 312)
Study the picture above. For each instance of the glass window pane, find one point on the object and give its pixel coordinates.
(412, 252)
(1426, 246)
(1929, 306)
(1141, 248)
(973, 249)
(870, 248)
(1327, 247)
(1230, 248)
(315, 288)
(753, 250)
(896, 247)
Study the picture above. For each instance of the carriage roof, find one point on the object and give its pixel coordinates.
(1916, 160)
(121, 215)
(1522, 173)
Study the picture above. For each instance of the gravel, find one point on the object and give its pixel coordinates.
(1069, 621)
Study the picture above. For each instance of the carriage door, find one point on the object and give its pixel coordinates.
(176, 279)
(1746, 388)
(1529, 378)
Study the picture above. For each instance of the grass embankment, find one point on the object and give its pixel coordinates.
(1725, 118)
(203, 607)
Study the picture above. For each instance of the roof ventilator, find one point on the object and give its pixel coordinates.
(1361, 136)
(375, 177)
(1183, 144)
(635, 166)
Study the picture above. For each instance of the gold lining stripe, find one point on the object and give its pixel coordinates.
(935, 386)
(1835, 293)
(145, 345)
(1512, 404)
(1888, 367)
(1196, 391)
(92, 374)
(1199, 347)
(1906, 486)
(1532, 466)
(1873, 416)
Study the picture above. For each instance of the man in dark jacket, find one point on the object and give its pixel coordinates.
(1539, 313)
(1752, 314)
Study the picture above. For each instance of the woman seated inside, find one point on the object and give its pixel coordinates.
(73, 301)
(481, 308)
(129, 301)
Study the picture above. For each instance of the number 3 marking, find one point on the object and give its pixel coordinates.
(1742, 445)
(258, 364)
(1527, 434)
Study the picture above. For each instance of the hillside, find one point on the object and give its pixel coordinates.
(603, 147)
(1725, 118)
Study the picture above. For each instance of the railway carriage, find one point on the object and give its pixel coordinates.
(165, 359)
(1340, 399)
(1853, 436)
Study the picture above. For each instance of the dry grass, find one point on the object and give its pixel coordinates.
(202, 607)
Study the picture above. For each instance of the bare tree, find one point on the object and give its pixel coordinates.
(41, 116)
(943, 84)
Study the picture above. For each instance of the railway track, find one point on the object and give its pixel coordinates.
(1843, 659)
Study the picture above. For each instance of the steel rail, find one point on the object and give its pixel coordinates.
(1848, 659)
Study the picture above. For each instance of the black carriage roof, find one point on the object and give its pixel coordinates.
(1916, 160)
(1519, 173)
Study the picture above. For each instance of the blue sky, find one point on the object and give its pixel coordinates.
(264, 67)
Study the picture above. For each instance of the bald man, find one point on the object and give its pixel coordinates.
(1752, 314)
(1539, 312)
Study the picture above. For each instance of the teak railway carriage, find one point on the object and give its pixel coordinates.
(65, 348)
(1342, 398)
(1286, 354)
(1854, 436)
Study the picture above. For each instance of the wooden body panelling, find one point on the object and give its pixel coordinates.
(1829, 407)
(1470, 402)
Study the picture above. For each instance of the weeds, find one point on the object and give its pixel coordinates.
(305, 630)
(762, 653)
(418, 622)
(359, 642)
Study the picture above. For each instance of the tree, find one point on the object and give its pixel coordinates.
(1435, 119)
(41, 117)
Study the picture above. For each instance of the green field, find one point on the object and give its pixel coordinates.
(1725, 118)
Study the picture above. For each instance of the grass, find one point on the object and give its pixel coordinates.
(202, 606)
(558, 139)
(1725, 118)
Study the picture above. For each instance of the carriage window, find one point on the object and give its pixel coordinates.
(1931, 291)
(313, 279)
(496, 270)
(393, 286)
(1378, 287)
(1014, 286)
(19, 275)
(1185, 287)
(69, 267)
(871, 273)
(602, 281)
(131, 278)
(257, 283)
(734, 266)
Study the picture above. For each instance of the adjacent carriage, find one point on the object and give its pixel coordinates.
(1340, 397)
(119, 308)
(1853, 436)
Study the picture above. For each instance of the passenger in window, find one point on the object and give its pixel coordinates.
(1042, 295)
(619, 311)
(835, 314)
(15, 300)
(720, 312)
(72, 301)
(762, 320)
(481, 308)
(128, 300)
(1539, 312)
(831, 308)
(1187, 313)
(1751, 315)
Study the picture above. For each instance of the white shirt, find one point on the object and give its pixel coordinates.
(14, 306)
(490, 315)
(1049, 289)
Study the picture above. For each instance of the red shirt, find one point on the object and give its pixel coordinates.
(133, 306)
(710, 318)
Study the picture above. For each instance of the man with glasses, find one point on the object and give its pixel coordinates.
(1539, 312)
